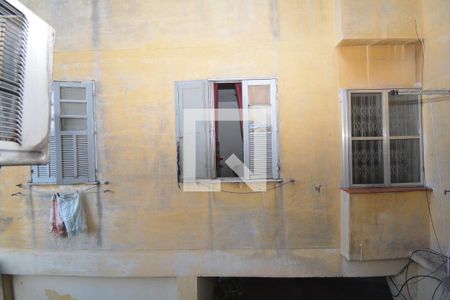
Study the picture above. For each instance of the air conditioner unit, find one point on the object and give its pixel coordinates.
(26, 62)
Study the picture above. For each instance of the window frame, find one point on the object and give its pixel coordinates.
(209, 84)
(56, 132)
(345, 96)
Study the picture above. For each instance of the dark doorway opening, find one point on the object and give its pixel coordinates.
(232, 288)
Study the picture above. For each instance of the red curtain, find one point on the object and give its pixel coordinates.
(238, 88)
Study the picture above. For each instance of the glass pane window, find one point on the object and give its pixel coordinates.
(259, 95)
(68, 124)
(72, 93)
(367, 114)
(367, 158)
(403, 115)
(383, 138)
(77, 109)
(405, 160)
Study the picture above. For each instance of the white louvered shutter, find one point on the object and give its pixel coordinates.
(75, 132)
(260, 129)
(194, 95)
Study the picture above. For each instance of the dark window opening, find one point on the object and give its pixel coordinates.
(229, 134)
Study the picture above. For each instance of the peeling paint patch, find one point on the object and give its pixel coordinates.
(53, 295)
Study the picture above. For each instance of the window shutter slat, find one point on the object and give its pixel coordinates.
(82, 157)
(67, 156)
(260, 139)
(52, 162)
(46, 173)
(260, 152)
(42, 171)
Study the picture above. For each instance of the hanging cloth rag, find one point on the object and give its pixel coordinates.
(57, 224)
(72, 213)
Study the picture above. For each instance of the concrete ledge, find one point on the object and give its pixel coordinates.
(275, 263)
(239, 263)
(372, 268)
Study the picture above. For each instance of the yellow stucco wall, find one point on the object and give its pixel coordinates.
(384, 225)
(376, 22)
(135, 51)
(436, 113)
(374, 67)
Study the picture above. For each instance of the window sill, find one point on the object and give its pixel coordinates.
(374, 190)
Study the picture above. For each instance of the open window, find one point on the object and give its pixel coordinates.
(221, 119)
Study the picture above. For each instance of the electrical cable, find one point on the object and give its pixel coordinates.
(47, 194)
(395, 285)
(443, 214)
(251, 192)
(406, 267)
(432, 222)
(431, 251)
(443, 294)
(436, 289)
(413, 277)
(431, 112)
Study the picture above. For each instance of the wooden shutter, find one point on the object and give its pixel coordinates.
(194, 95)
(46, 173)
(75, 131)
(260, 138)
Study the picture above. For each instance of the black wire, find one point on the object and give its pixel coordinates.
(395, 285)
(444, 293)
(406, 268)
(436, 289)
(47, 194)
(252, 192)
(422, 79)
(413, 277)
(414, 252)
(406, 279)
(432, 222)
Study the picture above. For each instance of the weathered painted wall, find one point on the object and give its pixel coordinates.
(436, 113)
(383, 226)
(73, 288)
(376, 22)
(371, 67)
(135, 50)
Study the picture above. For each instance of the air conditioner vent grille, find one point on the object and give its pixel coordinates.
(13, 50)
